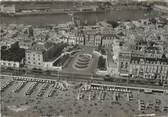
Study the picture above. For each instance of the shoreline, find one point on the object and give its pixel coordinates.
(46, 13)
(69, 11)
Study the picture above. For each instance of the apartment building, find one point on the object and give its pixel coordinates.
(145, 65)
(42, 55)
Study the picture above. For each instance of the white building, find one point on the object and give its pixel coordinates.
(6, 63)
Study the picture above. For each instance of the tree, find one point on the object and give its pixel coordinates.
(153, 21)
(102, 63)
(113, 23)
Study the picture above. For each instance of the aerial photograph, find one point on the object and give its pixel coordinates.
(84, 58)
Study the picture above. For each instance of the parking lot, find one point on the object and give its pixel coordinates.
(47, 97)
(31, 87)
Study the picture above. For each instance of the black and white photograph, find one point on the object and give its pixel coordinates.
(84, 58)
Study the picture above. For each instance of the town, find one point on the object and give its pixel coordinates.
(111, 68)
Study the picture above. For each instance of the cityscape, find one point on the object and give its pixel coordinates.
(84, 58)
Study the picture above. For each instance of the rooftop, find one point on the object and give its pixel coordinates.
(40, 46)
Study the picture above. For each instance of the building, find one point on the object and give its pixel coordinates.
(144, 65)
(124, 63)
(42, 55)
(30, 31)
(25, 44)
(35, 55)
(80, 38)
(95, 37)
(40, 34)
(107, 40)
(90, 38)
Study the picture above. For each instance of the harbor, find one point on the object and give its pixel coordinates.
(58, 12)
(90, 17)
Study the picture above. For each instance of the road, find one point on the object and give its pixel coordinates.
(82, 78)
(111, 64)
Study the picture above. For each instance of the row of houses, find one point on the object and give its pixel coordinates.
(94, 37)
(143, 64)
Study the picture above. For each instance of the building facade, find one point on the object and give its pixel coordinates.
(144, 65)
(42, 55)
(13, 64)
(95, 38)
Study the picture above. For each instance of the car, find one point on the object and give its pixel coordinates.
(51, 93)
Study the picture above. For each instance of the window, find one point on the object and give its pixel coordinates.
(14, 64)
(39, 63)
(28, 58)
(126, 65)
(33, 58)
(121, 64)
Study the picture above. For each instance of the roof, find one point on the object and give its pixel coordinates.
(155, 60)
(25, 41)
(152, 48)
(41, 46)
(138, 56)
